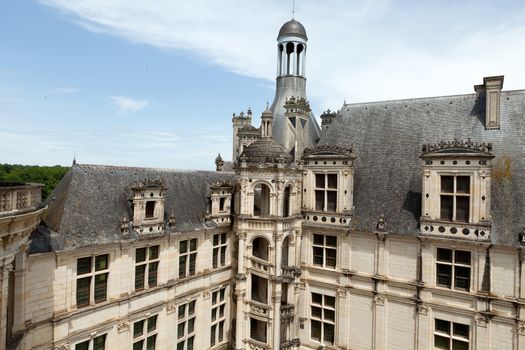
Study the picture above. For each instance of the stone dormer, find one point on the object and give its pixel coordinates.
(148, 206)
(298, 114)
(492, 87)
(456, 190)
(221, 203)
(328, 178)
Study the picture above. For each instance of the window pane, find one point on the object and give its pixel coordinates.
(82, 346)
(153, 252)
(317, 312)
(319, 181)
(221, 311)
(139, 276)
(214, 314)
(331, 241)
(222, 292)
(138, 345)
(215, 257)
(316, 330)
(330, 257)
(99, 343)
(446, 207)
(463, 184)
(318, 239)
(182, 311)
(191, 308)
(328, 333)
(318, 256)
(180, 346)
(191, 325)
(193, 258)
(462, 209)
(83, 266)
(150, 343)
(441, 342)
(152, 323)
(444, 255)
(101, 285)
(223, 238)
(101, 262)
(212, 334)
(329, 301)
(190, 343)
(150, 209)
(332, 200)
(332, 180)
(444, 275)
(329, 315)
(193, 245)
(462, 257)
(443, 326)
(317, 298)
(221, 331)
(180, 329)
(182, 266)
(447, 184)
(223, 255)
(152, 274)
(183, 246)
(462, 278)
(140, 255)
(215, 239)
(83, 286)
(138, 328)
(459, 345)
(461, 330)
(319, 200)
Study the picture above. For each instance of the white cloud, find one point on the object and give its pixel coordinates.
(358, 50)
(127, 104)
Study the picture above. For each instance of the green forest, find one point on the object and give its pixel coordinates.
(49, 176)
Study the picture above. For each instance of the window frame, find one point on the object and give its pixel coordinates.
(454, 194)
(219, 250)
(322, 320)
(218, 320)
(187, 256)
(450, 335)
(92, 277)
(145, 333)
(185, 320)
(326, 189)
(91, 342)
(147, 262)
(324, 248)
(454, 266)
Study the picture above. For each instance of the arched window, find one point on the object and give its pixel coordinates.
(299, 59)
(260, 248)
(286, 201)
(261, 200)
(285, 252)
(289, 51)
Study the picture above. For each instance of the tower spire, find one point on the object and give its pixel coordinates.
(293, 9)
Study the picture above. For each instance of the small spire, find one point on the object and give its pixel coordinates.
(267, 104)
(293, 9)
(74, 158)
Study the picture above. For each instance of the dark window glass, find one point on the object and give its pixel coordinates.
(463, 184)
(139, 276)
(444, 275)
(317, 312)
(441, 343)
(446, 207)
(319, 181)
(183, 246)
(212, 334)
(318, 239)
(328, 333)
(193, 244)
(221, 309)
(330, 301)
(332, 180)
(215, 239)
(331, 257)
(215, 257)
(140, 255)
(447, 184)
(329, 315)
(319, 200)
(150, 343)
(138, 345)
(152, 323)
(461, 330)
(221, 203)
(462, 278)
(462, 257)
(316, 330)
(83, 286)
(182, 266)
(193, 258)
(99, 343)
(331, 241)
(191, 308)
(223, 255)
(221, 331)
(444, 255)
(153, 252)
(459, 345)
(83, 266)
(223, 238)
(101, 286)
(152, 274)
(317, 298)
(442, 326)
(138, 329)
(222, 294)
(318, 256)
(191, 325)
(82, 346)
(332, 201)
(182, 310)
(150, 209)
(180, 330)
(462, 208)
(101, 262)
(190, 342)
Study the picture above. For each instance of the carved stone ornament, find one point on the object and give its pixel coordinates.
(422, 309)
(520, 327)
(170, 308)
(240, 277)
(149, 183)
(219, 163)
(341, 292)
(330, 149)
(205, 294)
(456, 146)
(65, 346)
(122, 327)
(481, 320)
(379, 300)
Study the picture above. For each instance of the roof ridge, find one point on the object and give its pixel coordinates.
(122, 167)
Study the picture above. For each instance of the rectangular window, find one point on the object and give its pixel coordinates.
(219, 250)
(222, 201)
(451, 335)
(218, 316)
(325, 251)
(97, 343)
(322, 318)
(187, 257)
(92, 280)
(186, 326)
(453, 269)
(455, 198)
(258, 330)
(326, 192)
(146, 267)
(150, 209)
(145, 334)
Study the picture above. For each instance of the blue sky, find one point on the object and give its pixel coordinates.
(155, 83)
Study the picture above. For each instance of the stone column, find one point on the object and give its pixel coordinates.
(6, 270)
(240, 292)
(276, 297)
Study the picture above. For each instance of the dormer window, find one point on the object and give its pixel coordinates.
(326, 192)
(456, 190)
(150, 209)
(148, 206)
(221, 202)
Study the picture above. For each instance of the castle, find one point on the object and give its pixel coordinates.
(394, 225)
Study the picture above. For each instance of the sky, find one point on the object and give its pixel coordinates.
(155, 83)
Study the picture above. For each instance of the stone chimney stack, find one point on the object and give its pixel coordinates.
(492, 87)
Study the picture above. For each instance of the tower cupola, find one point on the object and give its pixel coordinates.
(291, 49)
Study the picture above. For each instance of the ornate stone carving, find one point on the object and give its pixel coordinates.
(456, 146)
(219, 163)
(324, 149)
(381, 223)
(149, 183)
(481, 320)
(341, 292)
(240, 277)
(422, 309)
(65, 346)
(205, 294)
(170, 308)
(122, 327)
(379, 299)
(520, 327)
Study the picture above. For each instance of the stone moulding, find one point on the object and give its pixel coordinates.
(323, 150)
(456, 146)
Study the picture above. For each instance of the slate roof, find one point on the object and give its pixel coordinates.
(88, 205)
(389, 135)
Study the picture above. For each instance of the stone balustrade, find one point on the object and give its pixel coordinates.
(15, 197)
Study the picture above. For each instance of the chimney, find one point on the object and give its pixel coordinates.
(492, 87)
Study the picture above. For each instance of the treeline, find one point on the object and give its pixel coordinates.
(49, 176)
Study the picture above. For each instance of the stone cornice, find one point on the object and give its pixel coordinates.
(456, 146)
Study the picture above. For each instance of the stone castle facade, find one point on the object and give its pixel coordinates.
(394, 225)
